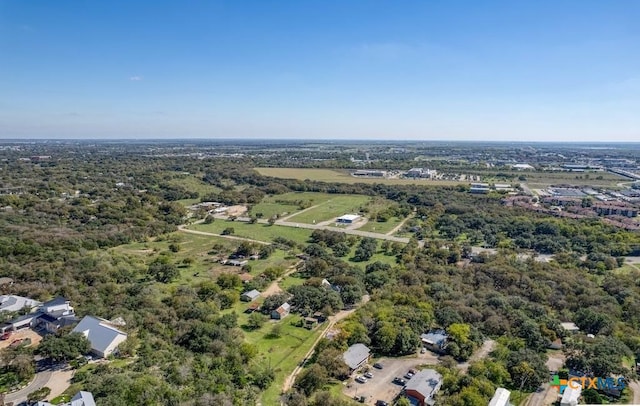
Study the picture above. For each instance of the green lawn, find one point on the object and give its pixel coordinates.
(269, 210)
(336, 206)
(282, 353)
(260, 232)
(381, 227)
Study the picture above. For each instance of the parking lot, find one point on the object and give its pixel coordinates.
(381, 386)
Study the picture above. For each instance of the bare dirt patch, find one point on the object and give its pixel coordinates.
(20, 335)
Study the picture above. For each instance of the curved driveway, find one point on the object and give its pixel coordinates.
(41, 380)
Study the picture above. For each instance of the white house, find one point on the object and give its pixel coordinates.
(13, 303)
(103, 336)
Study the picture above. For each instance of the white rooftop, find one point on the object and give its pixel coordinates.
(349, 217)
(500, 397)
(570, 326)
(12, 303)
(571, 395)
(100, 333)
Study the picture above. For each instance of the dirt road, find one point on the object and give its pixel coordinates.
(288, 382)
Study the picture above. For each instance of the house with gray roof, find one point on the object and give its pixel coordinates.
(250, 296)
(356, 356)
(81, 398)
(102, 335)
(423, 386)
(435, 340)
(13, 303)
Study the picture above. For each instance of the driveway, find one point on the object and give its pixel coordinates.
(41, 380)
(57, 378)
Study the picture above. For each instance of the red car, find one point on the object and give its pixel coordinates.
(5, 335)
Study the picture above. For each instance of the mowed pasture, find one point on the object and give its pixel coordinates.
(258, 232)
(334, 207)
(344, 176)
(288, 203)
(381, 227)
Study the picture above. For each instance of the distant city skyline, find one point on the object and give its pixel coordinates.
(461, 70)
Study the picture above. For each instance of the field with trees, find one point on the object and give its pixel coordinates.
(102, 230)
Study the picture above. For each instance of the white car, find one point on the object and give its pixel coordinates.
(361, 379)
(368, 375)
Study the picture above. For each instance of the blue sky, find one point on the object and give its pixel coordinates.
(415, 70)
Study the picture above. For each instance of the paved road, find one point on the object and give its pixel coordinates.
(41, 380)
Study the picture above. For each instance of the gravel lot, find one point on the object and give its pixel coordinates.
(381, 386)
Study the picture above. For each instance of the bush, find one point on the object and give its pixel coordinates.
(39, 394)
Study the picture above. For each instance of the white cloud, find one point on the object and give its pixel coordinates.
(135, 78)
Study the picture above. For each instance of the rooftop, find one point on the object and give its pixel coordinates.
(500, 397)
(12, 303)
(426, 382)
(355, 354)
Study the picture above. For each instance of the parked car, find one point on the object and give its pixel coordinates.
(377, 365)
(6, 335)
(413, 371)
(423, 350)
(408, 375)
(381, 403)
(368, 375)
(361, 379)
(399, 381)
(360, 399)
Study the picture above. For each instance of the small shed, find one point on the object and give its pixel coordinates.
(281, 312)
(250, 296)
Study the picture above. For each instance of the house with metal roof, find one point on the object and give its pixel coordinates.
(356, 356)
(423, 386)
(102, 335)
(81, 398)
(281, 312)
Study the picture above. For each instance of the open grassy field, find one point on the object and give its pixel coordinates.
(204, 266)
(543, 179)
(194, 247)
(260, 232)
(288, 203)
(336, 206)
(343, 176)
(381, 227)
(283, 352)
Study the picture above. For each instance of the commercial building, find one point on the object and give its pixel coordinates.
(423, 386)
(356, 356)
(348, 219)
